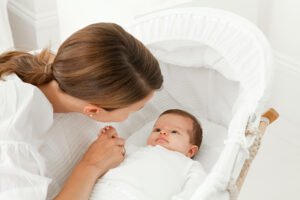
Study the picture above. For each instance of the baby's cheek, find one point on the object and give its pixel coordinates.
(150, 141)
(184, 146)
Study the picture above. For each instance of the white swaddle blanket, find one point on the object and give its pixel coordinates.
(150, 173)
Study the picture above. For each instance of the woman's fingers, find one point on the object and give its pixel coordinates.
(110, 135)
(105, 153)
(112, 141)
(116, 141)
(109, 132)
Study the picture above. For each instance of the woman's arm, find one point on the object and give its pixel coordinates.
(80, 183)
(105, 153)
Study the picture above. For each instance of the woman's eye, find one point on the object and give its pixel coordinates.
(175, 132)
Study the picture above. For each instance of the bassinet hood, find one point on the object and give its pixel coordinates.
(216, 39)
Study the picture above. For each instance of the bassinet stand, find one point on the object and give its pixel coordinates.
(267, 118)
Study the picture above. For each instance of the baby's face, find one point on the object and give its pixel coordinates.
(172, 131)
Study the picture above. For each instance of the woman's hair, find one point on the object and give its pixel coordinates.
(101, 63)
(196, 134)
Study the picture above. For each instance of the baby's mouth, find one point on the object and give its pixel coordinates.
(161, 140)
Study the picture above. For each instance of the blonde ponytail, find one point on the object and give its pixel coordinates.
(33, 69)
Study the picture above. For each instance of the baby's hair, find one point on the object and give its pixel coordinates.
(196, 134)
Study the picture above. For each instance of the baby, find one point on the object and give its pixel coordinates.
(162, 170)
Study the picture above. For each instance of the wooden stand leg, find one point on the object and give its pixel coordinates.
(267, 118)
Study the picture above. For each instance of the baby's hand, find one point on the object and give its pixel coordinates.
(109, 131)
(106, 152)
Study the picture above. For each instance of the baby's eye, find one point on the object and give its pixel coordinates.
(175, 132)
(156, 130)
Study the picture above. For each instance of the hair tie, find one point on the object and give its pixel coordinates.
(48, 68)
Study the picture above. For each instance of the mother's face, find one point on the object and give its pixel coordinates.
(121, 114)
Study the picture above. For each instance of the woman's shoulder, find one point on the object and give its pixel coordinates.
(25, 110)
(13, 81)
(16, 93)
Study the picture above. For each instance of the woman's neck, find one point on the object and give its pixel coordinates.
(61, 102)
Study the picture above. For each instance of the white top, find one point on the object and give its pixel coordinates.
(25, 117)
(151, 173)
(38, 149)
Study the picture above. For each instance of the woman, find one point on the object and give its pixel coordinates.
(102, 72)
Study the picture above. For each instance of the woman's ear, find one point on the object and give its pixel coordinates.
(92, 110)
(192, 151)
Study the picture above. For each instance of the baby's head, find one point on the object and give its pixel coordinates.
(177, 130)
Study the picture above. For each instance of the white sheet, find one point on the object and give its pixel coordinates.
(151, 173)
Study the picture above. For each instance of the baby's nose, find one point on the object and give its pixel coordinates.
(163, 132)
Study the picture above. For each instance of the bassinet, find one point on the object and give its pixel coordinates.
(217, 66)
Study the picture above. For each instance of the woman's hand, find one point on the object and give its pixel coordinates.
(106, 152)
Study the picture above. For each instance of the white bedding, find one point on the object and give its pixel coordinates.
(151, 173)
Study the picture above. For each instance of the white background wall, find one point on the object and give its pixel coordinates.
(280, 20)
(274, 174)
(6, 41)
(34, 23)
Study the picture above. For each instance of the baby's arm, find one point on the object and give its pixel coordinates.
(195, 178)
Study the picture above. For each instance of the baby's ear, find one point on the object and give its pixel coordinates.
(192, 151)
